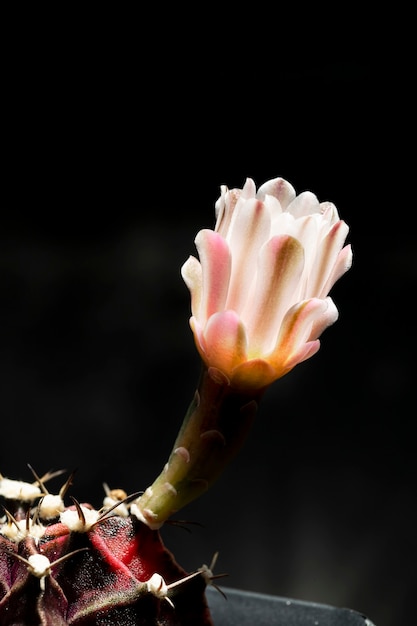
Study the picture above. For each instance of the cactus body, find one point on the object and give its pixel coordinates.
(83, 567)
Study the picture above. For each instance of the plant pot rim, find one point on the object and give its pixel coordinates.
(245, 608)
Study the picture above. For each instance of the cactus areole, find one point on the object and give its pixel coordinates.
(74, 565)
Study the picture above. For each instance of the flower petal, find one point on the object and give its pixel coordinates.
(226, 342)
(306, 351)
(302, 323)
(216, 265)
(249, 189)
(328, 316)
(326, 258)
(280, 189)
(305, 203)
(198, 332)
(256, 373)
(342, 265)
(280, 266)
(329, 212)
(224, 207)
(192, 274)
(249, 229)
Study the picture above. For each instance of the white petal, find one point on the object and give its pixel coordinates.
(221, 201)
(249, 189)
(225, 207)
(342, 265)
(328, 316)
(281, 263)
(249, 230)
(304, 204)
(329, 212)
(306, 230)
(283, 224)
(192, 275)
(280, 189)
(326, 256)
(273, 205)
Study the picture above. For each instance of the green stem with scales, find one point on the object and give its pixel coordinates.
(214, 429)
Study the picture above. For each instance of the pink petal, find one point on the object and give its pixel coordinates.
(280, 267)
(225, 341)
(216, 265)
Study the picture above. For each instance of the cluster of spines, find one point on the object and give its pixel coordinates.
(75, 565)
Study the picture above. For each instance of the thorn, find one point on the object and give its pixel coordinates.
(49, 475)
(217, 588)
(27, 521)
(81, 515)
(214, 561)
(19, 557)
(183, 580)
(11, 519)
(183, 524)
(107, 512)
(40, 566)
(80, 520)
(37, 511)
(207, 573)
(67, 556)
(106, 489)
(38, 480)
(66, 485)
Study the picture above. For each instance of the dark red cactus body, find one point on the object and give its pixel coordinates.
(115, 571)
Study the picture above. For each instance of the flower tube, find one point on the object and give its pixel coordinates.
(259, 303)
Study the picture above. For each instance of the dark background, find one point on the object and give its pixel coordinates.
(117, 134)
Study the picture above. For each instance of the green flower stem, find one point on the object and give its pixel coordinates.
(214, 429)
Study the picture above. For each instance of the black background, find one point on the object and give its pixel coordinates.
(118, 131)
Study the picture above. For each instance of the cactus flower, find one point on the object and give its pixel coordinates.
(259, 302)
(259, 291)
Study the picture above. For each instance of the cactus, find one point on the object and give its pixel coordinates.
(74, 565)
(259, 302)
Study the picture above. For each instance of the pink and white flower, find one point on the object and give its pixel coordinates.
(259, 291)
